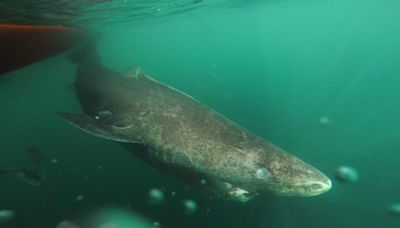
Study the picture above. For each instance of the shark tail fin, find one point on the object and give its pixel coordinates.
(29, 173)
(34, 156)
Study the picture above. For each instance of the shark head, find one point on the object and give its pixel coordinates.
(273, 171)
(290, 176)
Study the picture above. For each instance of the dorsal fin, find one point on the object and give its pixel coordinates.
(134, 72)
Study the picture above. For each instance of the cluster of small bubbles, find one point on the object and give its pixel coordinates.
(156, 196)
(79, 198)
(394, 209)
(347, 174)
(262, 173)
(54, 160)
(6, 215)
(190, 206)
(324, 121)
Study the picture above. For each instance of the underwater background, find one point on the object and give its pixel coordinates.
(319, 78)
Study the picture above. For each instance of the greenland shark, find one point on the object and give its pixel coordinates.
(183, 137)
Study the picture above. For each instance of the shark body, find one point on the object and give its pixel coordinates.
(184, 138)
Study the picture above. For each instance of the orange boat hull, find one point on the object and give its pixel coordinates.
(21, 45)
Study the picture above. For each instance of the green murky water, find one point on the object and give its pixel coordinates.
(274, 67)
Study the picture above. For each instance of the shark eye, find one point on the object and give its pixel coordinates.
(262, 173)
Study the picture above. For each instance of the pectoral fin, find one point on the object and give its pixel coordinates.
(95, 127)
(228, 191)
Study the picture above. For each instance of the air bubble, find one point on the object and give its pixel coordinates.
(79, 198)
(67, 224)
(190, 206)
(6, 215)
(394, 210)
(347, 174)
(156, 196)
(324, 121)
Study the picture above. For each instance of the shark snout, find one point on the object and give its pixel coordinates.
(318, 187)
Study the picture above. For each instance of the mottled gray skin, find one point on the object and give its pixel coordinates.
(186, 138)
